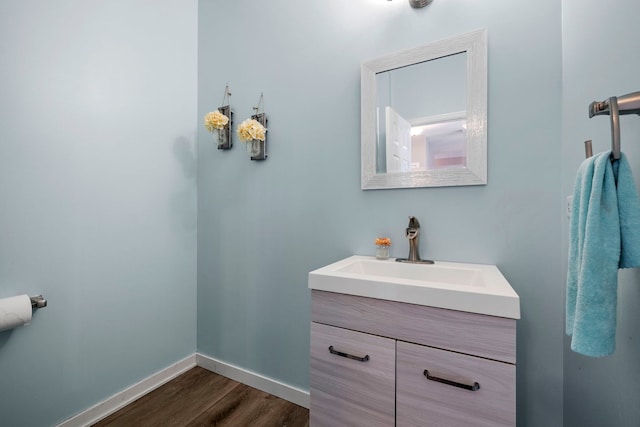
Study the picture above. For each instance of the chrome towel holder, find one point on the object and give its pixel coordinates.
(614, 107)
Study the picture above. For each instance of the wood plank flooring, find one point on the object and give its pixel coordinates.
(201, 398)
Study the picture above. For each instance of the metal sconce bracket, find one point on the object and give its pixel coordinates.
(224, 135)
(262, 145)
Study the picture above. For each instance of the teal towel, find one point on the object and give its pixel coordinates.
(604, 236)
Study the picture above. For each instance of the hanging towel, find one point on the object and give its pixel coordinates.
(604, 236)
(629, 211)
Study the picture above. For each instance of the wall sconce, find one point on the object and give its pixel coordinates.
(417, 4)
(253, 132)
(220, 121)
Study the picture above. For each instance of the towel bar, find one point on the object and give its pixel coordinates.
(614, 107)
(627, 104)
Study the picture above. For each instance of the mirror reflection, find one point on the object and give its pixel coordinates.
(424, 115)
(421, 116)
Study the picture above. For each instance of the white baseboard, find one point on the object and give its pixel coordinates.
(123, 398)
(266, 384)
(136, 391)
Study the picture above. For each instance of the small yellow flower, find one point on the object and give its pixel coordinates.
(383, 241)
(215, 120)
(251, 129)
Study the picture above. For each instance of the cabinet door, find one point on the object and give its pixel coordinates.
(352, 378)
(444, 399)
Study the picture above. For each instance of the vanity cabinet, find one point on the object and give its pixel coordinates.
(462, 389)
(353, 376)
(378, 362)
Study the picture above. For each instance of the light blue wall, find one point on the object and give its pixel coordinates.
(600, 59)
(97, 198)
(97, 179)
(264, 225)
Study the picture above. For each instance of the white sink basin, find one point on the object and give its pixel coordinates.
(475, 288)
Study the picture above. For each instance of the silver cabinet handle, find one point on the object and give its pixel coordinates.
(473, 387)
(364, 358)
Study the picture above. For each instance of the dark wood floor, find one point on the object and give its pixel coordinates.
(201, 398)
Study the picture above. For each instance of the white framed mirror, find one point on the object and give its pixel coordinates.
(424, 115)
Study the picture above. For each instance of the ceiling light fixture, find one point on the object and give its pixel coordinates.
(419, 3)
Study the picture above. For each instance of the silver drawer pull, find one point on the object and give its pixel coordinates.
(364, 358)
(473, 387)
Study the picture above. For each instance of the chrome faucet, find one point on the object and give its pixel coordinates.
(413, 235)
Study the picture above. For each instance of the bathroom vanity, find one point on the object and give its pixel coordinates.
(412, 345)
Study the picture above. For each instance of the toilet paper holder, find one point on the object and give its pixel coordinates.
(38, 301)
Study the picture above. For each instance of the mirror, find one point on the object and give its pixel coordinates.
(424, 116)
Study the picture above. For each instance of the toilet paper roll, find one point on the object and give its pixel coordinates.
(15, 311)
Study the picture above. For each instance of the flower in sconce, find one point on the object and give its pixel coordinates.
(383, 241)
(215, 120)
(251, 129)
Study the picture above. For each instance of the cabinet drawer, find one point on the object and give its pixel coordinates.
(485, 336)
(346, 391)
(428, 402)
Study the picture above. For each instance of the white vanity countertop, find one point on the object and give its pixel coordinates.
(474, 288)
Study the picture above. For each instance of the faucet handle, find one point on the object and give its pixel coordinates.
(413, 222)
